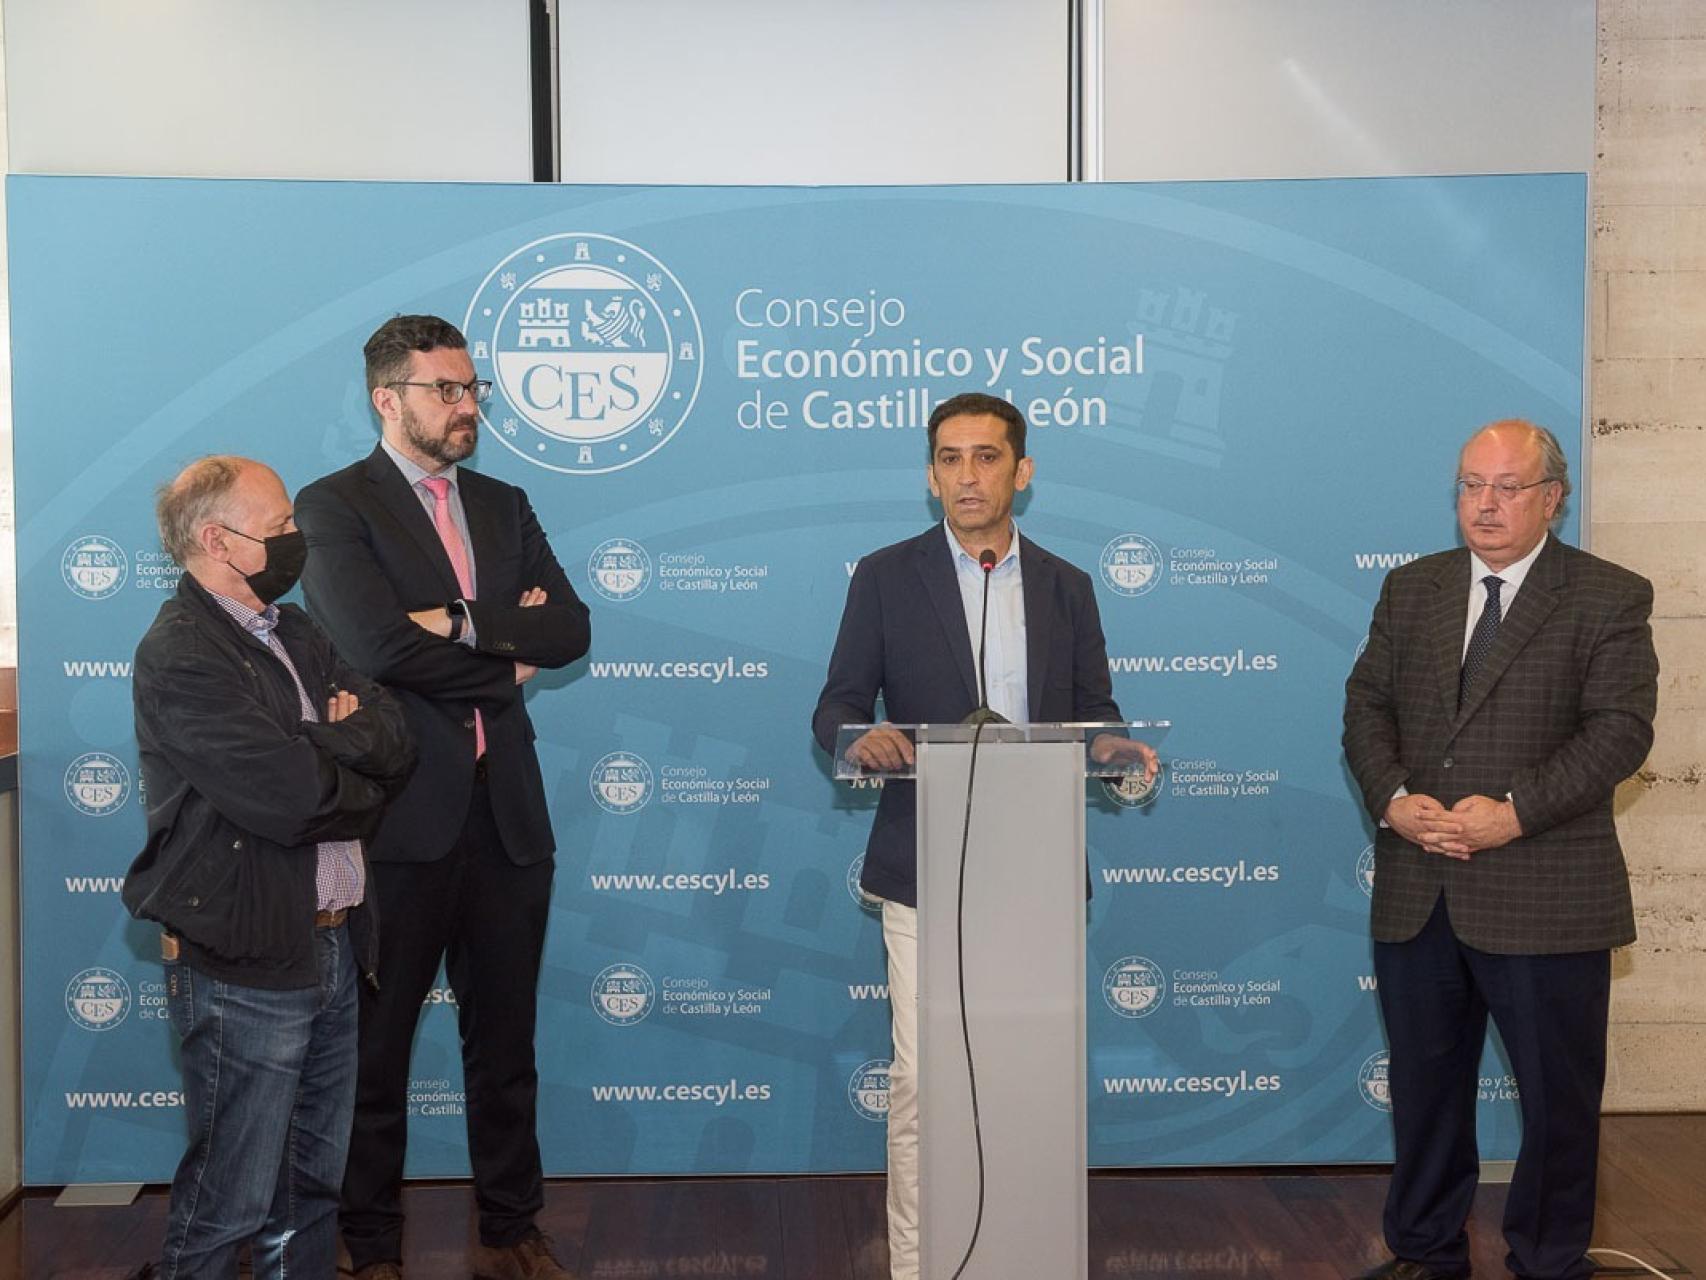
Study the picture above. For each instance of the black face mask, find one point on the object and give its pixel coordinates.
(286, 554)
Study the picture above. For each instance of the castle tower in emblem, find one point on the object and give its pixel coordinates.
(543, 322)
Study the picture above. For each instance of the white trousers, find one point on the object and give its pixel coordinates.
(900, 938)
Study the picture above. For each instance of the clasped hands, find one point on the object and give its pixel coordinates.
(1473, 824)
(437, 621)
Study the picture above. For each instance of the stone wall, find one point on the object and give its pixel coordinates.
(1648, 511)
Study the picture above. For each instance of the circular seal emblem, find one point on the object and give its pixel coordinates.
(94, 567)
(621, 783)
(1134, 987)
(865, 901)
(623, 994)
(97, 784)
(97, 999)
(868, 1089)
(619, 569)
(594, 348)
(1372, 1080)
(1131, 791)
(1131, 564)
(1365, 871)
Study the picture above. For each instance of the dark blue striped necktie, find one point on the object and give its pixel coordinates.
(1481, 642)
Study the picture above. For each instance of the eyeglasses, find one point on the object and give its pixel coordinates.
(452, 392)
(1504, 492)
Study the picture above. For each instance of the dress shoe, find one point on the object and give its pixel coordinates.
(530, 1258)
(1399, 1269)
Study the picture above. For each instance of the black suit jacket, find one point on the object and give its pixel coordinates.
(1560, 713)
(374, 557)
(903, 634)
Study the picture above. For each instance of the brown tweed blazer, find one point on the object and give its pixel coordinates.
(1560, 713)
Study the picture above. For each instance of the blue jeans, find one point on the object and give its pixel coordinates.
(269, 1086)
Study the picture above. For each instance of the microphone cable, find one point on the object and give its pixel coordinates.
(965, 1026)
(983, 715)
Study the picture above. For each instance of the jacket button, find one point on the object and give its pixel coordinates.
(468, 723)
(1446, 763)
(195, 902)
(236, 844)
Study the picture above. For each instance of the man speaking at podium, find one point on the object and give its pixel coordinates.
(909, 632)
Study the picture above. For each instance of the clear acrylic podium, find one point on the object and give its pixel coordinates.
(1023, 940)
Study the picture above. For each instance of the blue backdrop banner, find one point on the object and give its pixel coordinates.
(1246, 401)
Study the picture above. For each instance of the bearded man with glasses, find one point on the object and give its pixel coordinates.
(437, 582)
(1506, 689)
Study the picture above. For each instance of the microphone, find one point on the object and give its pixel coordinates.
(983, 714)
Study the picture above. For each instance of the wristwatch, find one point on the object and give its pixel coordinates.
(458, 612)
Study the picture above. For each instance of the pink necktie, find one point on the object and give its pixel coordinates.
(457, 550)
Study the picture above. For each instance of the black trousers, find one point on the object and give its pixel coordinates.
(485, 918)
(1435, 995)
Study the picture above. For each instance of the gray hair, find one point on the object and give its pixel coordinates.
(1553, 465)
(197, 497)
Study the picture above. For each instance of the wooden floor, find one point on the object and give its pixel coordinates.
(1268, 1225)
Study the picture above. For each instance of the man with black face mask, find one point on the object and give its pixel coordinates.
(267, 762)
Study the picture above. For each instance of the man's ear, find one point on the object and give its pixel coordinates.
(212, 542)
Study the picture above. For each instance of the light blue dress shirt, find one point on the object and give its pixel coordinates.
(1004, 645)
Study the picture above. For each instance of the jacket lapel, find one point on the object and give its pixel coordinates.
(1037, 572)
(1534, 603)
(942, 589)
(397, 497)
(482, 530)
(1450, 616)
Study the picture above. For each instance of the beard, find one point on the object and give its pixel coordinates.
(445, 448)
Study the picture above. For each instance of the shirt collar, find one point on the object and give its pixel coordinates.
(412, 471)
(258, 624)
(1512, 574)
(961, 554)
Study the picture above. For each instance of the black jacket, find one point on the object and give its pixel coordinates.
(241, 790)
(373, 557)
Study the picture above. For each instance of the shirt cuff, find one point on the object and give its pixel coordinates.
(1402, 791)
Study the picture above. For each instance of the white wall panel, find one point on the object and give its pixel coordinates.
(1347, 88)
(813, 91)
(423, 89)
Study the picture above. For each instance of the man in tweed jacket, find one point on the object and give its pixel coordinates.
(1506, 689)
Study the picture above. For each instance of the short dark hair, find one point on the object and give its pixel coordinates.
(394, 343)
(975, 404)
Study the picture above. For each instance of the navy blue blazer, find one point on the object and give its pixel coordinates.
(903, 635)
